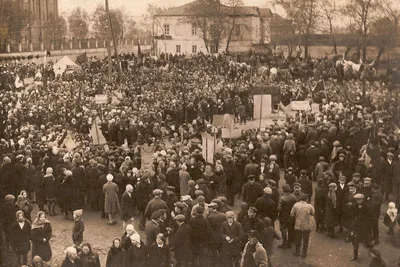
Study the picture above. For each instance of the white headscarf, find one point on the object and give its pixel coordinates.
(392, 211)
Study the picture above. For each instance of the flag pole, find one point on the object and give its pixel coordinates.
(109, 45)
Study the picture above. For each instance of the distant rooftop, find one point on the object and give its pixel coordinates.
(187, 10)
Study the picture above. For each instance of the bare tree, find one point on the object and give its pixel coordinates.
(78, 23)
(233, 5)
(211, 17)
(305, 14)
(153, 23)
(362, 13)
(330, 11)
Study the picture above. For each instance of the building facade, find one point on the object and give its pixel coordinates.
(41, 12)
(176, 35)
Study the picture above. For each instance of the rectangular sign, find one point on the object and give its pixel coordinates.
(301, 105)
(234, 134)
(218, 121)
(101, 99)
(262, 107)
(315, 108)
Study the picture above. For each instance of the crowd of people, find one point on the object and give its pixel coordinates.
(350, 150)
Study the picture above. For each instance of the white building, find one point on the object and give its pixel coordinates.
(175, 35)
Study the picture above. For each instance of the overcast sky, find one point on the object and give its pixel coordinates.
(136, 7)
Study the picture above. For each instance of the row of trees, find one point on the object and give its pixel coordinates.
(367, 22)
(16, 24)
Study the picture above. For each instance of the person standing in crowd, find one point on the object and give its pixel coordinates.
(302, 213)
(126, 236)
(331, 216)
(155, 204)
(111, 203)
(182, 242)
(136, 255)
(21, 238)
(153, 227)
(268, 238)
(284, 208)
(266, 207)
(391, 217)
(320, 196)
(232, 238)
(375, 204)
(201, 237)
(50, 189)
(254, 253)
(24, 204)
(40, 235)
(79, 228)
(88, 257)
(159, 253)
(312, 155)
(67, 193)
(184, 178)
(7, 219)
(143, 196)
(361, 225)
(252, 222)
(71, 258)
(127, 206)
(272, 169)
(251, 191)
(216, 219)
(289, 177)
(116, 254)
(306, 184)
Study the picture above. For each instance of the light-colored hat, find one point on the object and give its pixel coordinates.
(78, 213)
(130, 227)
(268, 190)
(110, 177)
(129, 187)
(135, 237)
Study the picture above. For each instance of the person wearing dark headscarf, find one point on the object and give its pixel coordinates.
(116, 254)
(24, 205)
(88, 257)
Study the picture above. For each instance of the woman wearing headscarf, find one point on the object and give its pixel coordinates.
(67, 193)
(41, 234)
(184, 178)
(159, 253)
(220, 180)
(21, 238)
(71, 258)
(111, 204)
(88, 257)
(38, 262)
(136, 255)
(331, 217)
(23, 204)
(116, 254)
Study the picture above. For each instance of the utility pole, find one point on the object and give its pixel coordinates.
(109, 44)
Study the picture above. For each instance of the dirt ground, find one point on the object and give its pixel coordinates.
(323, 252)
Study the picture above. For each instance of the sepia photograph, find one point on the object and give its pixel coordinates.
(199, 133)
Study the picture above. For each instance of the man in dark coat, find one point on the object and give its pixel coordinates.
(155, 204)
(375, 203)
(182, 243)
(252, 222)
(284, 208)
(201, 235)
(153, 228)
(21, 238)
(216, 220)
(229, 168)
(341, 193)
(251, 191)
(170, 201)
(173, 176)
(232, 238)
(252, 168)
(266, 207)
(78, 173)
(361, 224)
(312, 155)
(306, 184)
(127, 205)
(387, 176)
(143, 192)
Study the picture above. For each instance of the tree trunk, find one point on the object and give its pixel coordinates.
(229, 37)
(334, 45)
(380, 53)
(364, 52)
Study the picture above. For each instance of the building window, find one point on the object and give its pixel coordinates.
(194, 49)
(194, 29)
(237, 29)
(178, 48)
(166, 29)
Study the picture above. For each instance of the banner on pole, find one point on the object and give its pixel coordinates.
(262, 106)
(219, 120)
(315, 108)
(301, 105)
